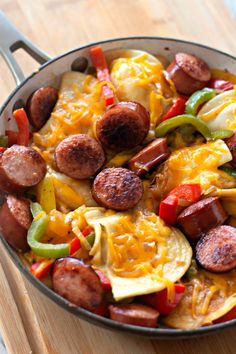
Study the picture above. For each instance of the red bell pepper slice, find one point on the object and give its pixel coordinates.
(168, 209)
(231, 315)
(189, 193)
(75, 242)
(221, 85)
(99, 62)
(87, 231)
(74, 245)
(176, 109)
(104, 280)
(12, 137)
(23, 126)
(2, 149)
(160, 302)
(41, 269)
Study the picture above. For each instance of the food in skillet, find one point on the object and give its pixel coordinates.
(122, 199)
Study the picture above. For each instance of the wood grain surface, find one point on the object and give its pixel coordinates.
(29, 322)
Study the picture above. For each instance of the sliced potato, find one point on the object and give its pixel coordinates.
(219, 112)
(129, 53)
(136, 75)
(139, 254)
(207, 297)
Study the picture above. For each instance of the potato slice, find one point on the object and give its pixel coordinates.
(207, 297)
(138, 253)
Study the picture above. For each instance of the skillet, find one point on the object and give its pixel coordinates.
(48, 74)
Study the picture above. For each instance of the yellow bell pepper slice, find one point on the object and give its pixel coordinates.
(66, 194)
(46, 194)
(58, 226)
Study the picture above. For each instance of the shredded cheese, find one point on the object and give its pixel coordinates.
(138, 246)
(207, 299)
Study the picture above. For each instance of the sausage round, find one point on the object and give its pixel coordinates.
(77, 282)
(117, 188)
(200, 217)
(40, 105)
(216, 251)
(15, 220)
(231, 143)
(152, 155)
(79, 156)
(134, 314)
(189, 73)
(21, 167)
(124, 126)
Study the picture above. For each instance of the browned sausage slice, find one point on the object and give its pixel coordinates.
(124, 126)
(117, 188)
(231, 143)
(200, 217)
(40, 105)
(134, 314)
(149, 157)
(21, 167)
(216, 251)
(189, 73)
(79, 156)
(77, 282)
(15, 220)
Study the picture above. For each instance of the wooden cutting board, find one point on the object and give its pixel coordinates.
(29, 322)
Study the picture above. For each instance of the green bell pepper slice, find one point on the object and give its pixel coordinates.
(175, 122)
(221, 134)
(198, 98)
(35, 209)
(91, 238)
(228, 170)
(36, 232)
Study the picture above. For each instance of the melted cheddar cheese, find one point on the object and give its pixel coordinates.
(138, 246)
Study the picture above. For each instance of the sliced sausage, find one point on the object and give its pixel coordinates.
(231, 143)
(21, 167)
(200, 217)
(124, 126)
(79, 156)
(40, 105)
(117, 188)
(77, 282)
(15, 220)
(189, 73)
(152, 155)
(134, 314)
(216, 251)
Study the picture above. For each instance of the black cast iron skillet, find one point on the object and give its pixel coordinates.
(49, 74)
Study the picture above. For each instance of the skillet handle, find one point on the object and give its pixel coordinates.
(11, 40)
